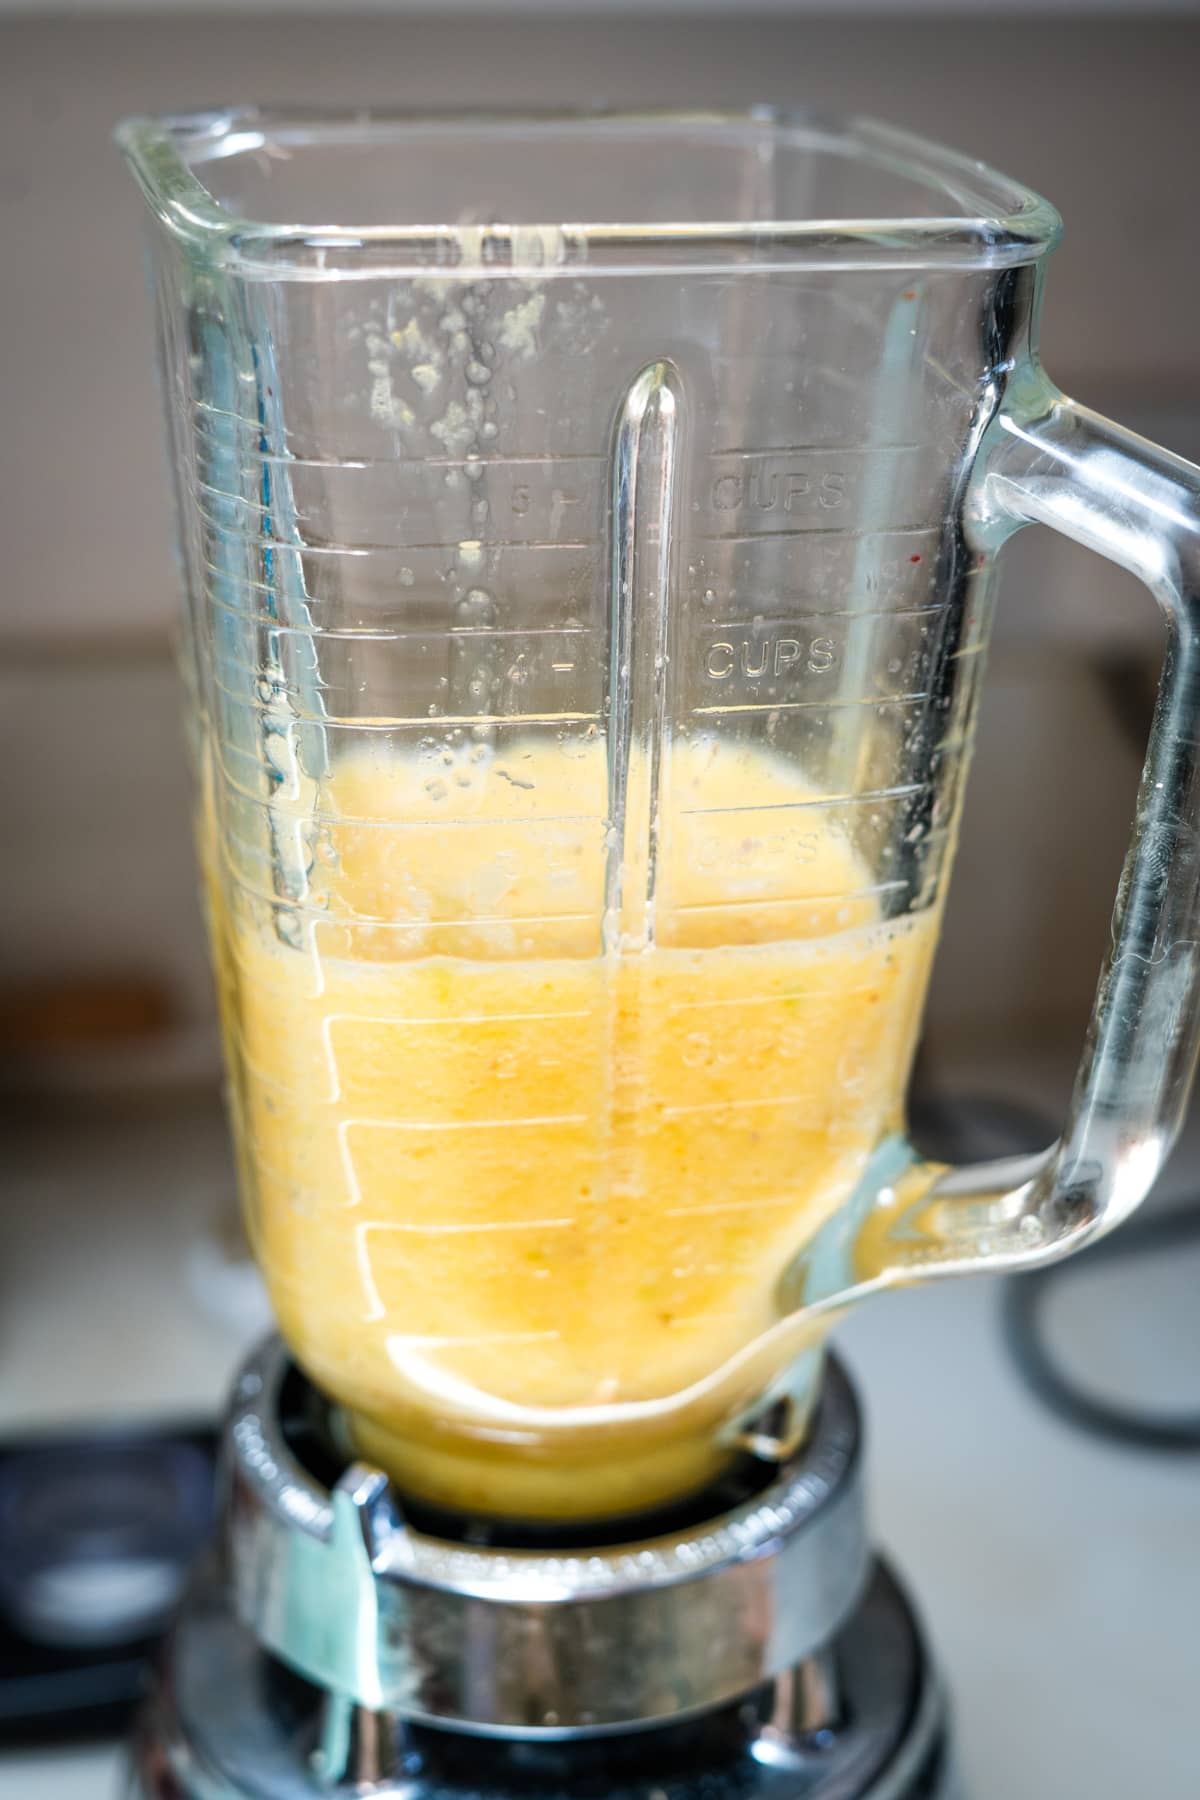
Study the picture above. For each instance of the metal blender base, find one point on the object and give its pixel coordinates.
(227, 1722)
(754, 1652)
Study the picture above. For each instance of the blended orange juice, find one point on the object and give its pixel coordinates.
(524, 1206)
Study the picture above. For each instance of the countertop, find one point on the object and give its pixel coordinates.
(1059, 1576)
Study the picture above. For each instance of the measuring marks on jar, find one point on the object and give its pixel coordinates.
(801, 616)
(814, 633)
(473, 592)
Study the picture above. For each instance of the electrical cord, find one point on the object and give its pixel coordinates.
(968, 1128)
(1129, 686)
(1023, 1312)
(1129, 690)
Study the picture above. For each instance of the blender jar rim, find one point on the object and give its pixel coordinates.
(977, 217)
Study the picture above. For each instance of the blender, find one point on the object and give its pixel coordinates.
(588, 527)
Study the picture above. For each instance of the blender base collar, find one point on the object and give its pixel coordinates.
(334, 1646)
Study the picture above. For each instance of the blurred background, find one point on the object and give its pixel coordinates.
(122, 1293)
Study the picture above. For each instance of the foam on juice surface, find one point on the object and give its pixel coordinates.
(523, 1206)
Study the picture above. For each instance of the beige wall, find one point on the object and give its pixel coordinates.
(1101, 116)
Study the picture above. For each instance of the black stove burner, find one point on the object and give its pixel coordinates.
(97, 1534)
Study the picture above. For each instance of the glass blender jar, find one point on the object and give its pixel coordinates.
(589, 527)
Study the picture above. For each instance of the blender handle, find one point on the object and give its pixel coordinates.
(1046, 460)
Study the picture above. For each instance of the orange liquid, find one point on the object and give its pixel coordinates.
(524, 1207)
